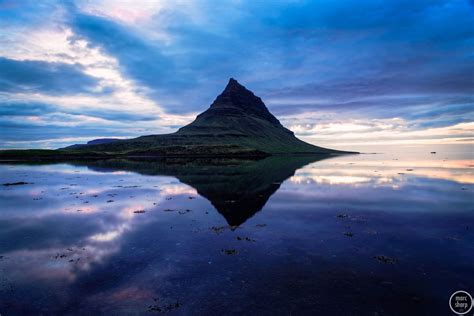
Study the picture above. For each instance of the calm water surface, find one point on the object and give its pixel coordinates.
(355, 235)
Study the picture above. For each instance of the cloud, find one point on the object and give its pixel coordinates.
(24, 109)
(161, 63)
(53, 78)
(138, 59)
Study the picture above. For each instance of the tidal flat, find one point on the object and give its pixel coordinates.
(380, 234)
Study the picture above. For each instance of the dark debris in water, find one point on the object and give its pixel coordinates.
(139, 211)
(245, 238)
(15, 183)
(73, 255)
(260, 225)
(163, 308)
(126, 186)
(342, 216)
(349, 234)
(218, 229)
(386, 259)
(229, 251)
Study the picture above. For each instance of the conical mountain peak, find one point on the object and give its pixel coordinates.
(234, 86)
(236, 94)
(236, 97)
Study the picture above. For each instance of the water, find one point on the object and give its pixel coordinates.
(355, 235)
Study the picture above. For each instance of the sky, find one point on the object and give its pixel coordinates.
(341, 74)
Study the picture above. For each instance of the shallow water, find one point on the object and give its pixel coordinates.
(355, 235)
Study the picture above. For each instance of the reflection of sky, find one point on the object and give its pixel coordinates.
(76, 195)
(387, 169)
(75, 232)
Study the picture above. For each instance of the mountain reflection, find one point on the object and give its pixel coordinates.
(236, 188)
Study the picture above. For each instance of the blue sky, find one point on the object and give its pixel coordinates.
(338, 73)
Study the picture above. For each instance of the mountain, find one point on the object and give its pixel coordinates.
(95, 142)
(236, 124)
